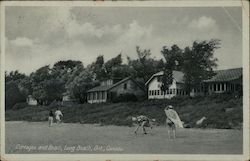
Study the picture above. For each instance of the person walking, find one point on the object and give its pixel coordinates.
(51, 117)
(58, 115)
(172, 121)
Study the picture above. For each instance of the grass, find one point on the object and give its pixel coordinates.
(214, 108)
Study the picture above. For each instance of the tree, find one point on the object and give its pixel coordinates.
(113, 64)
(46, 87)
(16, 88)
(144, 66)
(14, 76)
(199, 63)
(13, 95)
(173, 57)
(173, 61)
(63, 69)
(98, 68)
(81, 84)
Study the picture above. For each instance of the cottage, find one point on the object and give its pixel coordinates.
(110, 89)
(31, 100)
(66, 97)
(176, 89)
(229, 80)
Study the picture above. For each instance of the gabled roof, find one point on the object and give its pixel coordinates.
(226, 75)
(108, 87)
(177, 76)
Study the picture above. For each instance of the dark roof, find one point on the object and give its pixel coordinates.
(108, 87)
(178, 76)
(100, 88)
(226, 75)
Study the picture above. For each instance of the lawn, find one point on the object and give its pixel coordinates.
(38, 137)
(214, 108)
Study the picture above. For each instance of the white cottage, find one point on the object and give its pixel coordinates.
(176, 89)
(31, 100)
(229, 80)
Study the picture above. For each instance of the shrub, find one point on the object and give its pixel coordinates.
(20, 105)
(127, 97)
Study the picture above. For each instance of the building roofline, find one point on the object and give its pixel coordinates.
(118, 83)
(159, 74)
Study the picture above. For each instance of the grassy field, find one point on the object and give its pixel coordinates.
(214, 108)
(38, 137)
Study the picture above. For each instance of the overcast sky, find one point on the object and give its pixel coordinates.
(38, 36)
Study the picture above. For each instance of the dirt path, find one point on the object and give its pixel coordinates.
(37, 137)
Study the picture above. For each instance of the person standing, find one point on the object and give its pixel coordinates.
(50, 119)
(58, 115)
(172, 121)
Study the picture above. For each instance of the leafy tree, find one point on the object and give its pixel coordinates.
(63, 69)
(81, 83)
(13, 95)
(98, 68)
(199, 62)
(145, 66)
(174, 57)
(173, 61)
(46, 87)
(113, 64)
(14, 76)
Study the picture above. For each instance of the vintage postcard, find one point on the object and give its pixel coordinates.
(140, 80)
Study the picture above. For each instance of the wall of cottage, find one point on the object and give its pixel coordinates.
(155, 92)
(97, 97)
(128, 87)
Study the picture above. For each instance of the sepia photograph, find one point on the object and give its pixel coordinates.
(124, 79)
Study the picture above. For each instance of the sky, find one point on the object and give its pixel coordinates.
(38, 36)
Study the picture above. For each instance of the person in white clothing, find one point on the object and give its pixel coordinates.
(172, 121)
(58, 115)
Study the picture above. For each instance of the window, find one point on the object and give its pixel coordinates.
(125, 86)
(219, 86)
(222, 88)
(103, 95)
(95, 96)
(214, 87)
(167, 91)
(158, 92)
(177, 91)
(98, 95)
(170, 91)
(161, 92)
(173, 91)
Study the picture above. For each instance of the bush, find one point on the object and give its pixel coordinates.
(13, 95)
(127, 97)
(189, 110)
(18, 106)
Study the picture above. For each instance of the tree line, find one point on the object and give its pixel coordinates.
(73, 78)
